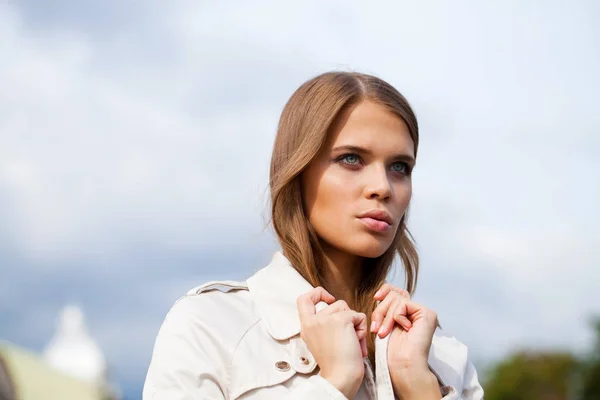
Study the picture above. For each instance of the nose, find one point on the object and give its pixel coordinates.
(378, 184)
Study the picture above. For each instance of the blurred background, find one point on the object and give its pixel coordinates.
(135, 140)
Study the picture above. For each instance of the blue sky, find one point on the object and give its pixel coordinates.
(135, 144)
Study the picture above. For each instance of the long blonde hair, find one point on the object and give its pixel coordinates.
(305, 123)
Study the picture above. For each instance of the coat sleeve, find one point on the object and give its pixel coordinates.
(190, 362)
(471, 390)
(183, 366)
(316, 388)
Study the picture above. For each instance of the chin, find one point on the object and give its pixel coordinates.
(370, 247)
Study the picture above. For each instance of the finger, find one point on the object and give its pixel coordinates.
(388, 322)
(397, 311)
(306, 302)
(338, 306)
(416, 311)
(360, 324)
(363, 347)
(381, 311)
(403, 321)
(383, 291)
(386, 288)
(359, 320)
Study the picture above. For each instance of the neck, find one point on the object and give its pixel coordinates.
(342, 274)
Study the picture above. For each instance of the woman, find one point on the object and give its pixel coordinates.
(319, 321)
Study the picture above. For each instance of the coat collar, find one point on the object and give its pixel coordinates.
(275, 289)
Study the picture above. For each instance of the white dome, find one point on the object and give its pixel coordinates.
(73, 351)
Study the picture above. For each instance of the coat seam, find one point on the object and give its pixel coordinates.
(230, 364)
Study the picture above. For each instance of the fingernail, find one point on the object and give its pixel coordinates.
(373, 326)
(377, 293)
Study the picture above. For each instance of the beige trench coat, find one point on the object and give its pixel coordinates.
(241, 340)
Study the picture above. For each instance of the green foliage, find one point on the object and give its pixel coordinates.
(590, 377)
(533, 376)
(528, 375)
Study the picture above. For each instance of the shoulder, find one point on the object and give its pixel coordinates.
(445, 343)
(219, 286)
(223, 309)
(198, 337)
(449, 358)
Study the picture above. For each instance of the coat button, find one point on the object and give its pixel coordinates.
(304, 360)
(282, 366)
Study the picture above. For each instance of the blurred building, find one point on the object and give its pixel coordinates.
(72, 366)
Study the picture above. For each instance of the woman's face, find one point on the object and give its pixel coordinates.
(358, 188)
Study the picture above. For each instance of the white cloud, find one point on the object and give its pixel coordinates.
(106, 141)
(84, 156)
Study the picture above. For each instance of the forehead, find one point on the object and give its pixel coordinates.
(372, 126)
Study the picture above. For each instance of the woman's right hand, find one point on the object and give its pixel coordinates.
(336, 337)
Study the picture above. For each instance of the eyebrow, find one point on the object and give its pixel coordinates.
(359, 149)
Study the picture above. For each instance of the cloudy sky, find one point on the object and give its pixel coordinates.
(135, 144)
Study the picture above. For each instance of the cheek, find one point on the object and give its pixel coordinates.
(335, 189)
(329, 199)
(403, 195)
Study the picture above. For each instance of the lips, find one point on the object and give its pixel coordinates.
(378, 214)
(376, 220)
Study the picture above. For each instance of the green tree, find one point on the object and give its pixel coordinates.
(590, 376)
(533, 376)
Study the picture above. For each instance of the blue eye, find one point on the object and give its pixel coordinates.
(351, 159)
(399, 167)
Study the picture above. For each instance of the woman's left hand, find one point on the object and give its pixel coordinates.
(411, 326)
